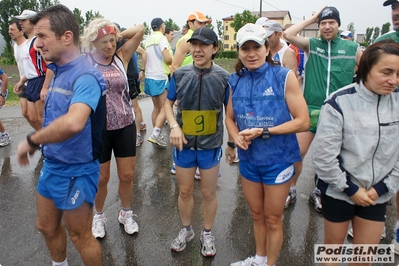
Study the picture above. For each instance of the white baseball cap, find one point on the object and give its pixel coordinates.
(26, 14)
(251, 32)
(272, 26)
(261, 21)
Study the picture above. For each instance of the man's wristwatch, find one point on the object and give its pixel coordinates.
(231, 144)
(265, 133)
(30, 142)
(3, 94)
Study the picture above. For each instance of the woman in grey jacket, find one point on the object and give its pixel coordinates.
(356, 149)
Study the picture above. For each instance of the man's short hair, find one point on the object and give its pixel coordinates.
(168, 30)
(16, 22)
(61, 20)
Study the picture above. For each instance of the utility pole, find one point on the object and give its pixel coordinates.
(260, 9)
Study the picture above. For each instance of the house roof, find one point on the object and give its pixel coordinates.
(269, 14)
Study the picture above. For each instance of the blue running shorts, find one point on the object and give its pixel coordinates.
(268, 174)
(68, 193)
(33, 89)
(154, 87)
(204, 159)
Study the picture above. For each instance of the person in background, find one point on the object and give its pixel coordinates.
(134, 76)
(265, 110)
(159, 57)
(184, 30)
(356, 149)
(182, 54)
(17, 35)
(347, 35)
(5, 138)
(119, 133)
(330, 65)
(280, 52)
(37, 76)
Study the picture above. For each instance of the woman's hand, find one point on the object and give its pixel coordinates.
(362, 198)
(243, 140)
(372, 193)
(230, 155)
(177, 138)
(250, 134)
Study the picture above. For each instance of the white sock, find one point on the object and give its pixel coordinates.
(397, 225)
(63, 263)
(293, 188)
(260, 259)
(138, 134)
(156, 132)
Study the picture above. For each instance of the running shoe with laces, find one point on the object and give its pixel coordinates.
(128, 222)
(98, 225)
(250, 261)
(383, 234)
(5, 139)
(315, 199)
(139, 140)
(208, 248)
(291, 198)
(180, 242)
(157, 140)
(173, 169)
(143, 127)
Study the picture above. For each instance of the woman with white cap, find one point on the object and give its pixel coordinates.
(265, 110)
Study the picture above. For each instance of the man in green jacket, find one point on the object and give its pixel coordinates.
(331, 65)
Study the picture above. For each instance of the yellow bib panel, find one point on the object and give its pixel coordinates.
(199, 123)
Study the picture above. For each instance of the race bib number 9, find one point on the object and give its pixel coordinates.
(199, 123)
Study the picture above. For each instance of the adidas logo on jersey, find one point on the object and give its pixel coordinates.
(268, 92)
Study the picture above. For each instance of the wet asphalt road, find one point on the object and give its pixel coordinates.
(155, 203)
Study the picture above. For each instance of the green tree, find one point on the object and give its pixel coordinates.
(385, 28)
(375, 34)
(147, 29)
(242, 19)
(367, 36)
(351, 28)
(210, 24)
(11, 8)
(219, 26)
(84, 21)
(169, 23)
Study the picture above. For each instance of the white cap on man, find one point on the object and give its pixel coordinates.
(26, 14)
(261, 21)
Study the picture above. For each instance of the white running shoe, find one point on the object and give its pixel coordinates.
(180, 242)
(157, 140)
(250, 261)
(128, 222)
(208, 248)
(98, 226)
(5, 139)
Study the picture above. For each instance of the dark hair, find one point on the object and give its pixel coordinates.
(16, 22)
(214, 55)
(269, 59)
(61, 20)
(372, 55)
(168, 30)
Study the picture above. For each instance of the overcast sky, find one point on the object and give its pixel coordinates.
(363, 13)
